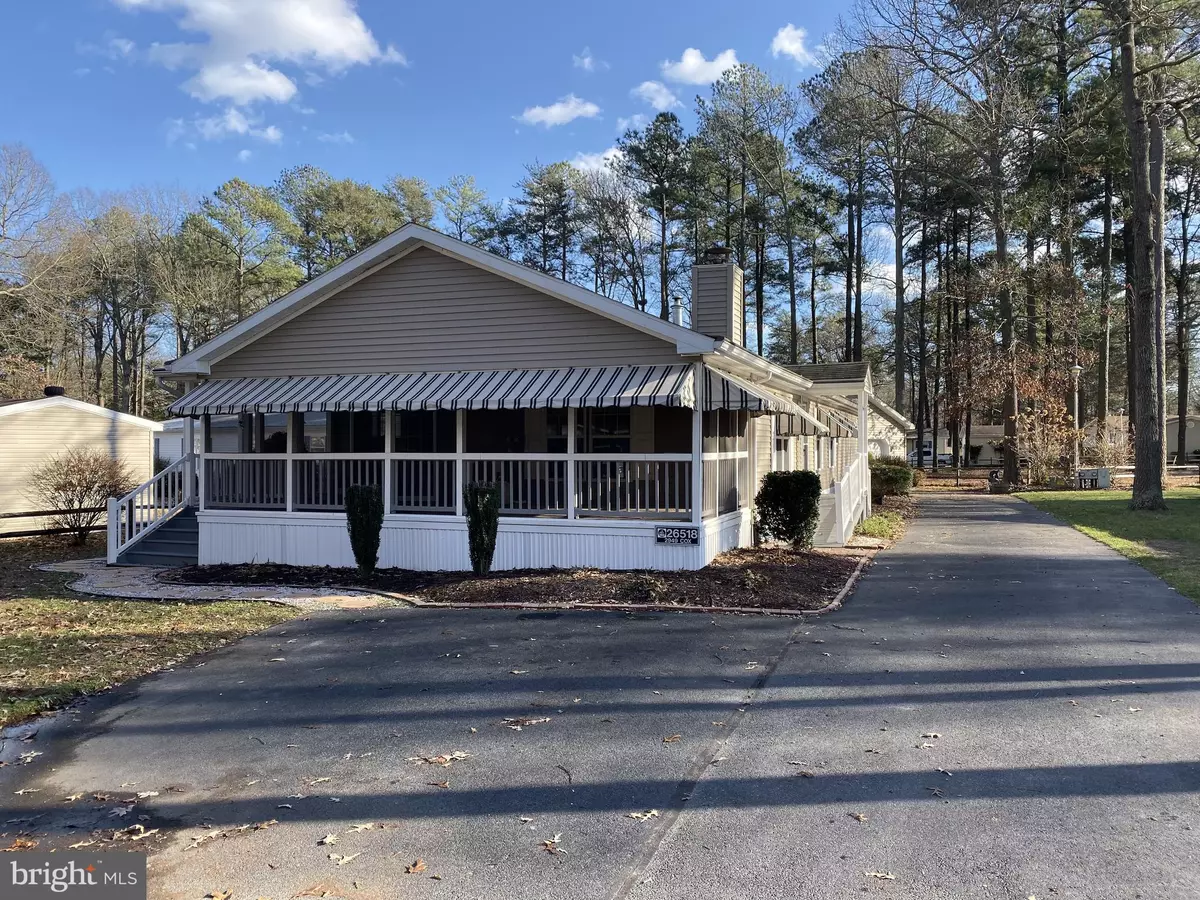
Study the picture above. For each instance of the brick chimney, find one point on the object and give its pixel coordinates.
(717, 300)
(54, 390)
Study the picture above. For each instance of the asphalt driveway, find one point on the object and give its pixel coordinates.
(1004, 709)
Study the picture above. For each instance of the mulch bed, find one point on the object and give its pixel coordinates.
(761, 578)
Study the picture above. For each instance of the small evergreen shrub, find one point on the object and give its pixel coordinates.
(364, 521)
(789, 504)
(889, 479)
(481, 503)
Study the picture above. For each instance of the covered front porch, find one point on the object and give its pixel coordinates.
(623, 467)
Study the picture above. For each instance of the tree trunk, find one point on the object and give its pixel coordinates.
(1105, 338)
(848, 349)
(812, 298)
(898, 262)
(1148, 443)
(1012, 469)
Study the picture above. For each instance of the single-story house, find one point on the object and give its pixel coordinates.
(1191, 437)
(423, 363)
(886, 428)
(987, 445)
(33, 431)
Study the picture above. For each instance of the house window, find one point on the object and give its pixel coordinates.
(726, 461)
(603, 430)
(247, 433)
(556, 431)
(339, 432)
(494, 431)
(424, 431)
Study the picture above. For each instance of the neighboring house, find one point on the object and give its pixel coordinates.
(224, 436)
(986, 449)
(33, 431)
(618, 439)
(887, 430)
(1191, 436)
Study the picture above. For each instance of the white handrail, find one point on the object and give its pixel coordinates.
(849, 498)
(148, 506)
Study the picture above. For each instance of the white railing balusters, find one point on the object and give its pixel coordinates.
(146, 507)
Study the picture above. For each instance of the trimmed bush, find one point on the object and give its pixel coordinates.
(889, 480)
(789, 504)
(481, 502)
(77, 485)
(364, 521)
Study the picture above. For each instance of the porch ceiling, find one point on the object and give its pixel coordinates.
(507, 389)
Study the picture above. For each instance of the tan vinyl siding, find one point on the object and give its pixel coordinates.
(28, 439)
(764, 448)
(883, 437)
(430, 312)
(717, 301)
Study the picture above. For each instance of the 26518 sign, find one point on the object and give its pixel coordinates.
(677, 534)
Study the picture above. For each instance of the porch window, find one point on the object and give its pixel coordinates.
(494, 430)
(603, 430)
(338, 432)
(726, 461)
(423, 431)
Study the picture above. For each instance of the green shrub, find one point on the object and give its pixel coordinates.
(889, 479)
(364, 521)
(481, 502)
(789, 504)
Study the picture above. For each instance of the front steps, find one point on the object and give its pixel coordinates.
(174, 543)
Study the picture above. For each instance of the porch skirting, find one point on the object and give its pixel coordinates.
(433, 543)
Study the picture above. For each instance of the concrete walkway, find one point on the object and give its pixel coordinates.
(141, 583)
(1004, 709)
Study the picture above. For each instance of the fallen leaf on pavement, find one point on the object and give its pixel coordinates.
(551, 845)
(21, 844)
(81, 844)
(364, 826)
(444, 785)
(671, 739)
(27, 791)
(937, 792)
(328, 839)
(442, 759)
(931, 734)
(342, 860)
(218, 895)
(518, 722)
(320, 780)
(885, 876)
(643, 816)
(71, 798)
(857, 817)
(415, 868)
(805, 773)
(519, 672)
(947, 773)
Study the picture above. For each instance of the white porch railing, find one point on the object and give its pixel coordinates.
(147, 506)
(600, 485)
(850, 497)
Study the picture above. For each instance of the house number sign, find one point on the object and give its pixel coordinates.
(676, 534)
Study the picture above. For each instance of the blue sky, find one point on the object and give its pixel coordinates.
(118, 93)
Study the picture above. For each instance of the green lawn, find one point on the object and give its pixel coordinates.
(1166, 543)
(56, 645)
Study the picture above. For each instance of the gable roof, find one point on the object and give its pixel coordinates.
(878, 407)
(835, 373)
(9, 407)
(397, 245)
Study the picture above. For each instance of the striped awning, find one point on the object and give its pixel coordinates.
(799, 424)
(725, 391)
(507, 389)
(839, 426)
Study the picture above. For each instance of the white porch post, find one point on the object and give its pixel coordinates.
(189, 467)
(863, 449)
(698, 445)
(459, 468)
(570, 462)
(388, 447)
(203, 450)
(288, 472)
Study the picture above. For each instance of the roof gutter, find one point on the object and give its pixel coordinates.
(756, 369)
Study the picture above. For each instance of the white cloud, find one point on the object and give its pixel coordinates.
(587, 61)
(656, 94)
(248, 38)
(244, 155)
(120, 46)
(637, 121)
(341, 137)
(693, 68)
(232, 122)
(568, 109)
(789, 41)
(595, 162)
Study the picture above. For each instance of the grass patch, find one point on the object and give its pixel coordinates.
(888, 520)
(56, 646)
(886, 523)
(1166, 543)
